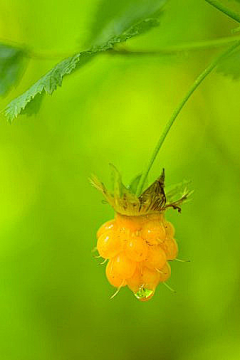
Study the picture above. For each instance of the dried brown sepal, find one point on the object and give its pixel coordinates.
(152, 200)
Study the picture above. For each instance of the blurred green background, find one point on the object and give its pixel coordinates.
(54, 297)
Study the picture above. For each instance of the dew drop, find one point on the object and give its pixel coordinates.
(144, 294)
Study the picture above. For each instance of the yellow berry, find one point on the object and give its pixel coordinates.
(109, 244)
(170, 248)
(165, 273)
(136, 249)
(150, 278)
(123, 266)
(134, 282)
(170, 231)
(156, 258)
(113, 278)
(130, 223)
(153, 231)
(109, 225)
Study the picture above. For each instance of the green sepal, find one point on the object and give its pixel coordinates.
(153, 199)
(134, 183)
(178, 194)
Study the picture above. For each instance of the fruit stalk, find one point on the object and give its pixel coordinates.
(169, 124)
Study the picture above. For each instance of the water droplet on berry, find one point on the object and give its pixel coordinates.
(144, 294)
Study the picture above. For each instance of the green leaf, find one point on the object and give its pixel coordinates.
(47, 84)
(235, 30)
(11, 66)
(230, 66)
(113, 17)
(34, 105)
(128, 27)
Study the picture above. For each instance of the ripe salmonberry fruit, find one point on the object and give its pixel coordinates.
(150, 278)
(134, 282)
(123, 266)
(113, 278)
(170, 231)
(156, 258)
(109, 225)
(109, 244)
(128, 223)
(170, 247)
(165, 273)
(153, 231)
(136, 249)
(139, 242)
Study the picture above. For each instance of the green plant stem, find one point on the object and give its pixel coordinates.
(169, 124)
(171, 50)
(218, 5)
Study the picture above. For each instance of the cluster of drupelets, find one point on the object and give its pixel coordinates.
(138, 249)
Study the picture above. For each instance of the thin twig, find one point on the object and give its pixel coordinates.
(171, 121)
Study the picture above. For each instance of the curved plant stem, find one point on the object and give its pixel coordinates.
(169, 124)
(218, 5)
(171, 50)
